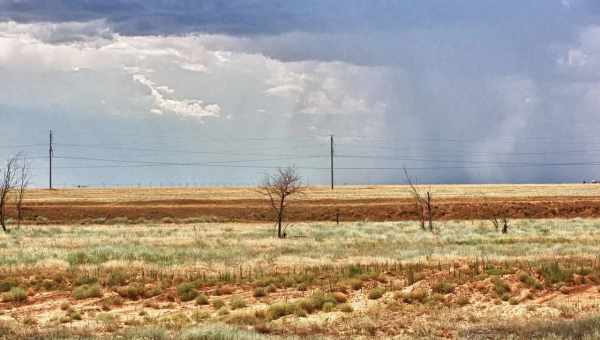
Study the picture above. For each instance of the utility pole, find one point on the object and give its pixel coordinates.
(331, 156)
(50, 154)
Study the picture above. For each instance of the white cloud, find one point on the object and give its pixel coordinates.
(185, 107)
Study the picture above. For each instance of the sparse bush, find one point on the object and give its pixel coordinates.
(15, 294)
(463, 300)
(530, 281)
(260, 292)
(500, 286)
(87, 291)
(224, 290)
(201, 300)
(280, 309)
(132, 292)
(328, 307)
(443, 287)
(237, 303)
(376, 293)
(356, 284)
(200, 315)
(554, 274)
(416, 295)
(217, 304)
(187, 291)
(5, 286)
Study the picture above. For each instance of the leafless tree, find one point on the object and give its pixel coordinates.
(278, 188)
(8, 182)
(499, 220)
(423, 203)
(22, 182)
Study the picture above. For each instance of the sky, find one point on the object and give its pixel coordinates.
(188, 93)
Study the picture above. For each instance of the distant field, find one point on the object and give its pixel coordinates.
(350, 203)
(314, 193)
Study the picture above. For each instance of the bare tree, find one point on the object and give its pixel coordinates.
(500, 220)
(278, 188)
(423, 203)
(8, 182)
(22, 182)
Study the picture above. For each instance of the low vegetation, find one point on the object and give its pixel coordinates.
(237, 280)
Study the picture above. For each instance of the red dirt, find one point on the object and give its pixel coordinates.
(252, 210)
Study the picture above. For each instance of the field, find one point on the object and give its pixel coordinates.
(159, 274)
(351, 203)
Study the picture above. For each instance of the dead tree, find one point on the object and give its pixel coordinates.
(8, 182)
(278, 188)
(423, 204)
(501, 221)
(22, 182)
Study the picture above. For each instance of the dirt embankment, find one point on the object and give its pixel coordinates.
(255, 210)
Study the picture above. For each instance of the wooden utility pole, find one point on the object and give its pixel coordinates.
(50, 154)
(331, 156)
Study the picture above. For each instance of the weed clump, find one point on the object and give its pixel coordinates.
(237, 303)
(530, 281)
(554, 274)
(500, 286)
(15, 294)
(202, 300)
(87, 291)
(260, 292)
(376, 293)
(443, 287)
(187, 291)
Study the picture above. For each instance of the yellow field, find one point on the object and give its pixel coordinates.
(313, 193)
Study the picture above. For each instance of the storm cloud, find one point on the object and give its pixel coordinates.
(219, 92)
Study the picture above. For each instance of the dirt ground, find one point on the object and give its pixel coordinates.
(349, 203)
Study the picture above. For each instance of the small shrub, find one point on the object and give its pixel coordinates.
(237, 303)
(554, 274)
(279, 310)
(417, 295)
(201, 300)
(260, 292)
(217, 304)
(187, 291)
(87, 292)
(530, 281)
(500, 286)
(513, 301)
(346, 308)
(443, 287)
(224, 290)
(15, 294)
(5, 286)
(132, 292)
(328, 307)
(199, 315)
(117, 278)
(376, 293)
(462, 300)
(356, 284)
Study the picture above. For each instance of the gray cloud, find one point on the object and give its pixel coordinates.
(485, 88)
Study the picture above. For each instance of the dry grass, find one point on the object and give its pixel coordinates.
(168, 281)
(313, 193)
